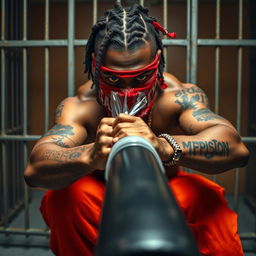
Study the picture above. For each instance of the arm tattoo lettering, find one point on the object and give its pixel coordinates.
(189, 97)
(59, 142)
(187, 103)
(63, 155)
(208, 149)
(59, 129)
(205, 114)
(59, 109)
(64, 131)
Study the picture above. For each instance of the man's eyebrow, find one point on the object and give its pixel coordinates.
(146, 72)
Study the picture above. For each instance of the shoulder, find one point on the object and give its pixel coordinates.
(81, 108)
(184, 95)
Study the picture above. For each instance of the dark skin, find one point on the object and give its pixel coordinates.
(83, 136)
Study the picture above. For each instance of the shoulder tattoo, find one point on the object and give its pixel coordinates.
(188, 98)
(205, 114)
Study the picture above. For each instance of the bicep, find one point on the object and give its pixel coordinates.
(66, 132)
(195, 115)
(66, 135)
(194, 121)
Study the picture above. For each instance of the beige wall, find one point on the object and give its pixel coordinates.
(176, 60)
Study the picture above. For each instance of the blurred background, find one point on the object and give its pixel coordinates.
(42, 54)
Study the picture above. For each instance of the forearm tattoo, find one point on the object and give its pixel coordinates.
(189, 97)
(59, 109)
(64, 131)
(63, 155)
(205, 114)
(208, 149)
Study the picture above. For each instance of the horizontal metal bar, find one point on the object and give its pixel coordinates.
(249, 139)
(226, 42)
(34, 43)
(248, 236)
(23, 231)
(20, 137)
(37, 137)
(166, 42)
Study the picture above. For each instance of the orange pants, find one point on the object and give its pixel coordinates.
(73, 215)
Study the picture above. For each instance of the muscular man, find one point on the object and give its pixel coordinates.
(125, 63)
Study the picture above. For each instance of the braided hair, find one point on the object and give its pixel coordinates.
(122, 29)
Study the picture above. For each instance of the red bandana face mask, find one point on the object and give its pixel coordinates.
(135, 101)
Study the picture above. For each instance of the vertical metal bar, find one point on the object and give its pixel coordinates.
(46, 68)
(165, 23)
(95, 11)
(12, 108)
(3, 125)
(25, 111)
(194, 21)
(239, 96)
(71, 51)
(217, 66)
(188, 50)
(142, 2)
(19, 111)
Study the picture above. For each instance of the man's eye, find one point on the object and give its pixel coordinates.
(141, 78)
(112, 79)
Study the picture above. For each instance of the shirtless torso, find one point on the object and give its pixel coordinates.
(83, 134)
(87, 111)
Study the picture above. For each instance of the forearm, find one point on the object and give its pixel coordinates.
(55, 167)
(214, 150)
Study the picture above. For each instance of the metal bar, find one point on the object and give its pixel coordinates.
(166, 42)
(20, 137)
(248, 236)
(239, 96)
(3, 77)
(194, 21)
(3, 124)
(37, 137)
(4, 184)
(217, 66)
(142, 2)
(36, 43)
(226, 42)
(95, 11)
(46, 68)
(165, 23)
(71, 50)
(21, 231)
(188, 41)
(25, 111)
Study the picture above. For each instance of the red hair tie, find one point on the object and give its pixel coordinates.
(163, 30)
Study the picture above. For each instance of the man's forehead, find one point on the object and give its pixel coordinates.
(118, 60)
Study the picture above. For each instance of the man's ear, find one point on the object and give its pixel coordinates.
(159, 52)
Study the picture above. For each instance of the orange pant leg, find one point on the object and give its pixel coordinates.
(73, 215)
(213, 224)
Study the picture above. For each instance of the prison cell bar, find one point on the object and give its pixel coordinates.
(193, 58)
(46, 68)
(95, 11)
(25, 113)
(239, 95)
(71, 51)
(192, 42)
(3, 130)
(188, 46)
(165, 24)
(217, 66)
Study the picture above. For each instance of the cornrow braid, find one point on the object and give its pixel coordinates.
(123, 29)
